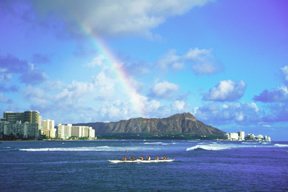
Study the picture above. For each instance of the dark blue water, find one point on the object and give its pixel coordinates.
(198, 166)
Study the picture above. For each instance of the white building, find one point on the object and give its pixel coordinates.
(64, 131)
(267, 138)
(67, 131)
(48, 128)
(241, 135)
(20, 130)
(234, 136)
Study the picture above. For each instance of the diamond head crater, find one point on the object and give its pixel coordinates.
(178, 126)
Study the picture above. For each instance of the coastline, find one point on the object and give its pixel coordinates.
(1, 141)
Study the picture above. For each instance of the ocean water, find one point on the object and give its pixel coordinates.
(198, 166)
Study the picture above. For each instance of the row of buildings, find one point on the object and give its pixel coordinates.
(27, 125)
(240, 136)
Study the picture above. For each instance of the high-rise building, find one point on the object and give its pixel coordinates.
(241, 135)
(48, 128)
(27, 116)
(66, 131)
(13, 117)
(19, 130)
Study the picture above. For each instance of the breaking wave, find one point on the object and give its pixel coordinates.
(249, 143)
(209, 147)
(102, 148)
(155, 143)
(280, 145)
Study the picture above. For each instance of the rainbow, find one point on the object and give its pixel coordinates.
(117, 67)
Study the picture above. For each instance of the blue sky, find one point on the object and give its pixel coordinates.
(90, 61)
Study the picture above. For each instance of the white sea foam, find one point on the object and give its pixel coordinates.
(249, 143)
(280, 145)
(265, 143)
(100, 148)
(212, 147)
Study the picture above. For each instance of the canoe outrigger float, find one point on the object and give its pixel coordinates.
(141, 161)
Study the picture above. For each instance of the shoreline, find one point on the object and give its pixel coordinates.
(1, 141)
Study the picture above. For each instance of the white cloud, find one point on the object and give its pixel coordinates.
(115, 17)
(105, 86)
(74, 92)
(178, 105)
(168, 59)
(97, 61)
(164, 90)
(204, 68)
(178, 66)
(226, 91)
(280, 94)
(266, 125)
(285, 72)
(198, 54)
(240, 113)
(200, 61)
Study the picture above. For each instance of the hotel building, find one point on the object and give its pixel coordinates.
(67, 131)
(26, 116)
(48, 128)
(19, 130)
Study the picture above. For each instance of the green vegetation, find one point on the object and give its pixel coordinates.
(12, 137)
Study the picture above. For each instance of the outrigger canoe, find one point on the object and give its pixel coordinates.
(141, 161)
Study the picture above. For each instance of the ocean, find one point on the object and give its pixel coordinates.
(198, 166)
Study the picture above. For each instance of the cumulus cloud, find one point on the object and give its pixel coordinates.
(169, 59)
(200, 61)
(115, 17)
(178, 105)
(11, 64)
(74, 92)
(277, 113)
(137, 68)
(164, 90)
(240, 113)
(226, 91)
(97, 61)
(105, 86)
(279, 94)
(284, 71)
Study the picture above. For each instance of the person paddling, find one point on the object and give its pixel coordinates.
(141, 158)
(157, 158)
(164, 158)
(124, 159)
(148, 158)
(133, 159)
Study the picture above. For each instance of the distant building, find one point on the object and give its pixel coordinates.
(260, 137)
(266, 138)
(66, 131)
(48, 128)
(250, 136)
(241, 135)
(19, 130)
(26, 116)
